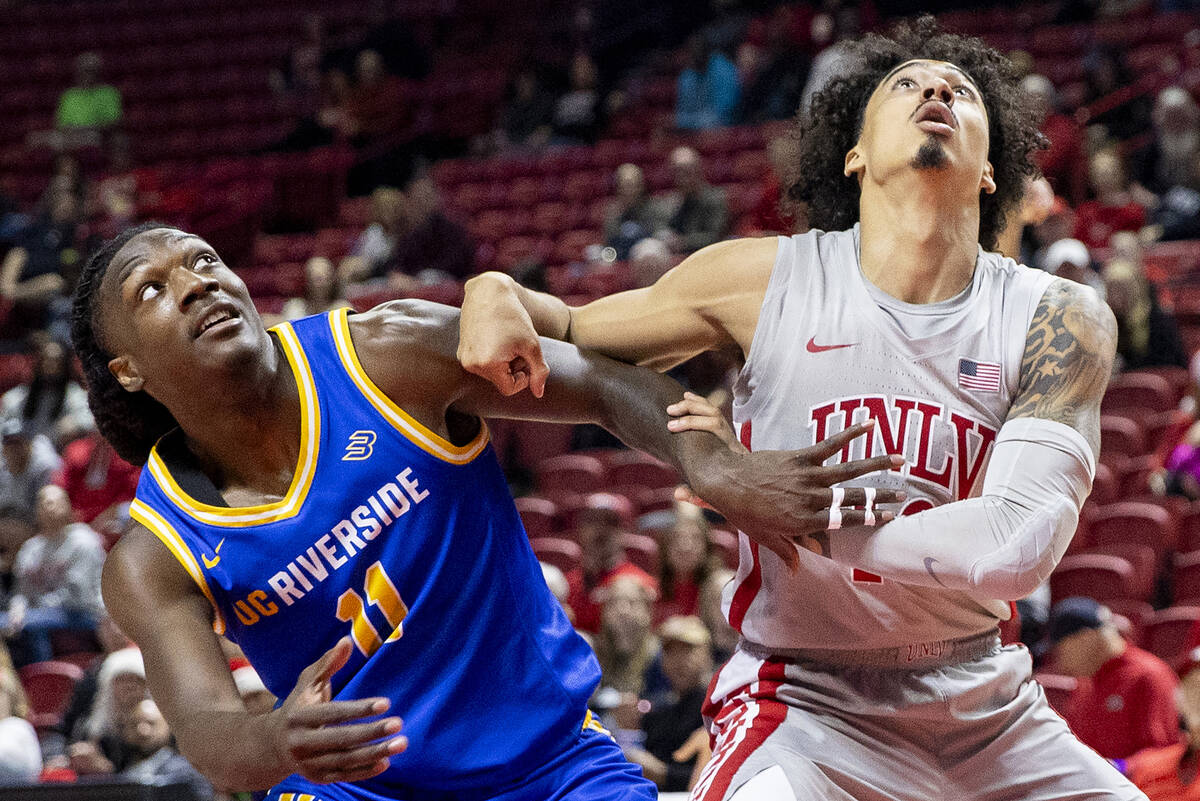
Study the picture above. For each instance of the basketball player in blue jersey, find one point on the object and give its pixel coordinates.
(323, 494)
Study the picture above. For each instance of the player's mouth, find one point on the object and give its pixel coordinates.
(934, 116)
(219, 317)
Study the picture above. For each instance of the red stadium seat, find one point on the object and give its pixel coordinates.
(1136, 612)
(1120, 436)
(654, 500)
(634, 468)
(539, 516)
(48, 686)
(1170, 633)
(1177, 378)
(1092, 575)
(1104, 486)
(562, 553)
(1132, 522)
(1185, 580)
(617, 502)
(1189, 529)
(1141, 558)
(1138, 392)
(1164, 430)
(1058, 689)
(641, 551)
(573, 472)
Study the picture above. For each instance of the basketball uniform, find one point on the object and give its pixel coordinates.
(412, 546)
(857, 686)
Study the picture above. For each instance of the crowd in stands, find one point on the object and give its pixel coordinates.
(586, 174)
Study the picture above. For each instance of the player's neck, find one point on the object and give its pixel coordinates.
(917, 244)
(245, 432)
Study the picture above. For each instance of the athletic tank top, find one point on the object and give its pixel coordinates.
(408, 543)
(831, 350)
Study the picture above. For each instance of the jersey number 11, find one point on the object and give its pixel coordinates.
(380, 591)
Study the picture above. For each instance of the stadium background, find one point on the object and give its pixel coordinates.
(260, 127)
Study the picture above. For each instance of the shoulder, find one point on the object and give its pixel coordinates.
(417, 325)
(749, 253)
(1076, 302)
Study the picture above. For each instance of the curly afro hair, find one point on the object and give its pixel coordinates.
(822, 138)
(131, 421)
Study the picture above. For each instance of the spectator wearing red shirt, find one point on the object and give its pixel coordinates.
(598, 530)
(1170, 773)
(1114, 208)
(687, 561)
(1125, 700)
(1063, 163)
(97, 481)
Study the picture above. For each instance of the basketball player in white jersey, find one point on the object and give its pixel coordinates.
(869, 665)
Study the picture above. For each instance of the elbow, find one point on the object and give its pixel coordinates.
(1018, 567)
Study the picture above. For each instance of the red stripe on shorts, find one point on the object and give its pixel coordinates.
(741, 739)
(745, 593)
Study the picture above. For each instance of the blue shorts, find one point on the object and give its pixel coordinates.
(592, 769)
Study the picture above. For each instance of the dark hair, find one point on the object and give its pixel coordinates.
(832, 126)
(131, 421)
(42, 385)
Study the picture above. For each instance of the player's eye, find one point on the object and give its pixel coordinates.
(149, 290)
(963, 91)
(904, 82)
(207, 258)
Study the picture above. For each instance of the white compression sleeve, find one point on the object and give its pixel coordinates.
(1000, 545)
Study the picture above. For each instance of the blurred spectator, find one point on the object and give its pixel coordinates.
(39, 270)
(52, 404)
(773, 75)
(29, 463)
(375, 107)
(1169, 160)
(1169, 773)
(253, 692)
(708, 91)
(577, 113)
(649, 260)
(1070, 259)
(56, 579)
(430, 247)
(120, 688)
(687, 664)
(769, 215)
(1126, 699)
(15, 528)
(598, 532)
(391, 36)
(1105, 72)
(375, 244)
(687, 562)
(20, 754)
(88, 106)
(1147, 334)
(322, 291)
(147, 739)
(724, 636)
(633, 215)
(527, 114)
(83, 696)
(1064, 162)
(1114, 207)
(556, 580)
(99, 483)
(626, 646)
(697, 212)
(833, 33)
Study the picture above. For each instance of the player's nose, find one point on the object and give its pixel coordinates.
(939, 89)
(188, 285)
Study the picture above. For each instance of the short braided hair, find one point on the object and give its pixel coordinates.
(824, 135)
(131, 421)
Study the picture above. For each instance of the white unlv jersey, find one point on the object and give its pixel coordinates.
(831, 350)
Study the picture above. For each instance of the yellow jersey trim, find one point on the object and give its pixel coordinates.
(306, 467)
(418, 434)
(158, 525)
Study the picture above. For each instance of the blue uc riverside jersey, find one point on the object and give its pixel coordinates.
(411, 545)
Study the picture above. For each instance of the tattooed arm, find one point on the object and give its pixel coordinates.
(1003, 544)
(1068, 360)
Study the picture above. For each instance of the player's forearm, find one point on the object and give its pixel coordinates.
(233, 749)
(496, 291)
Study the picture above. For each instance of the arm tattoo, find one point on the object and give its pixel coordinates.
(1068, 360)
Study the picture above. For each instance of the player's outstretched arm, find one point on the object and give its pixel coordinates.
(408, 349)
(711, 299)
(157, 604)
(1006, 542)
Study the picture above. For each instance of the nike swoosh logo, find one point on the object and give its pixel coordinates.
(929, 560)
(813, 347)
(210, 564)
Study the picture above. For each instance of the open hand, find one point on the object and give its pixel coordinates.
(320, 739)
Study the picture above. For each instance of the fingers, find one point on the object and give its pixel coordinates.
(835, 474)
(355, 758)
(335, 712)
(684, 494)
(330, 662)
(346, 775)
(857, 496)
(831, 445)
(312, 742)
(538, 370)
(860, 517)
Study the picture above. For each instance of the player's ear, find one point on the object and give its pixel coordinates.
(125, 370)
(988, 182)
(855, 164)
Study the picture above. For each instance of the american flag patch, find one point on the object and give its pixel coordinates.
(981, 376)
